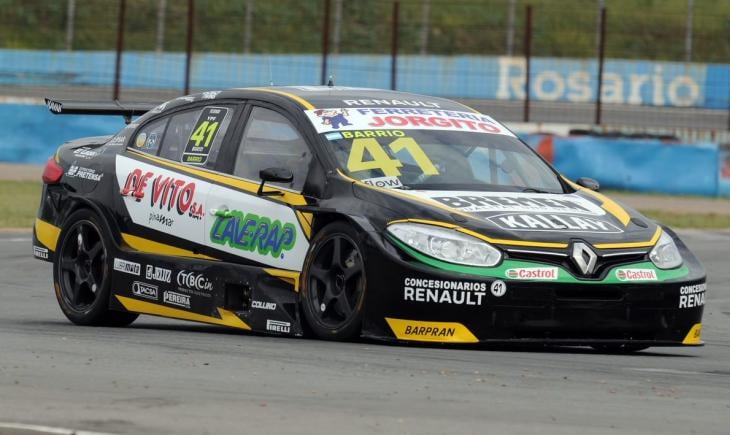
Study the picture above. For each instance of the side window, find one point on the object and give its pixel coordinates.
(194, 137)
(270, 140)
(181, 127)
(149, 137)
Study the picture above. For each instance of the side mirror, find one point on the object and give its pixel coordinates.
(274, 175)
(588, 183)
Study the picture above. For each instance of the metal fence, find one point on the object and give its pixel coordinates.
(577, 61)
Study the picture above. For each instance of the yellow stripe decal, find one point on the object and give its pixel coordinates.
(694, 336)
(645, 244)
(227, 318)
(47, 234)
(248, 186)
(482, 236)
(305, 220)
(606, 203)
(307, 105)
(289, 276)
(441, 332)
(152, 247)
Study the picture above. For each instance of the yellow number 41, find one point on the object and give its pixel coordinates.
(204, 131)
(380, 160)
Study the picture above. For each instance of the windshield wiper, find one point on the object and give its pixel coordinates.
(533, 190)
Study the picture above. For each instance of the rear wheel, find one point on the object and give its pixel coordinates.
(82, 273)
(333, 283)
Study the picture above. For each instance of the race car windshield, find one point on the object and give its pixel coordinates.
(441, 160)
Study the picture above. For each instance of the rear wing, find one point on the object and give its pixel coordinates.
(72, 107)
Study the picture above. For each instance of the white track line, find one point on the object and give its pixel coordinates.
(47, 429)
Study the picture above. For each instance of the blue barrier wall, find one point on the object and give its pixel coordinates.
(33, 134)
(489, 77)
(640, 165)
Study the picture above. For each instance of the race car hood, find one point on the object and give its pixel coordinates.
(531, 219)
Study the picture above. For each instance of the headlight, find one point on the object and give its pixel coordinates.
(665, 254)
(445, 244)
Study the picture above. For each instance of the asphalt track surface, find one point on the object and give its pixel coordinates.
(163, 376)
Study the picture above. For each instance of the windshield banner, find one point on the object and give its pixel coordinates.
(386, 118)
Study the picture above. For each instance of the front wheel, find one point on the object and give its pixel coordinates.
(333, 283)
(82, 275)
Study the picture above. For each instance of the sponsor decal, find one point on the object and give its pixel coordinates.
(125, 266)
(444, 292)
(692, 296)
(498, 288)
(177, 299)
(518, 203)
(545, 273)
(429, 331)
(253, 233)
(411, 103)
(418, 330)
(205, 130)
(636, 275)
(384, 182)
(261, 305)
(75, 171)
(40, 252)
(85, 153)
(278, 326)
(333, 118)
(186, 98)
(54, 106)
(141, 140)
(386, 118)
(554, 222)
(209, 95)
(161, 219)
(160, 107)
(193, 280)
(117, 140)
(166, 193)
(144, 290)
(158, 273)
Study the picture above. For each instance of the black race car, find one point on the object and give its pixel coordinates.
(352, 212)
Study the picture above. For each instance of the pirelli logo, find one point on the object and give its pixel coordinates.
(417, 330)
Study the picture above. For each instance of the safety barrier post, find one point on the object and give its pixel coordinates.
(394, 46)
(325, 40)
(120, 48)
(528, 49)
(601, 59)
(189, 45)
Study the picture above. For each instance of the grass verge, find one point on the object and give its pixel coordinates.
(20, 201)
(709, 221)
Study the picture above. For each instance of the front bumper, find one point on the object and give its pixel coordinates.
(413, 301)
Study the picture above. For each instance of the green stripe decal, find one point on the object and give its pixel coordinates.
(563, 275)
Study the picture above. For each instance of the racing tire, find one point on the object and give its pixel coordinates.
(618, 348)
(333, 283)
(82, 273)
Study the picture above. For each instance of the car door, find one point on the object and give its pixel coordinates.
(161, 184)
(263, 230)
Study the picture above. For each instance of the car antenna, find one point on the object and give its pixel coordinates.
(271, 74)
(331, 82)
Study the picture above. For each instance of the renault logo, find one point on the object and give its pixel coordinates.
(584, 258)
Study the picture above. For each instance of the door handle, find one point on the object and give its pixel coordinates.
(222, 212)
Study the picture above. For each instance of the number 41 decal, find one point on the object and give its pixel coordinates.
(380, 160)
(208, 125)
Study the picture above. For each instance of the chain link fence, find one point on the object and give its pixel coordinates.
(658, 64)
